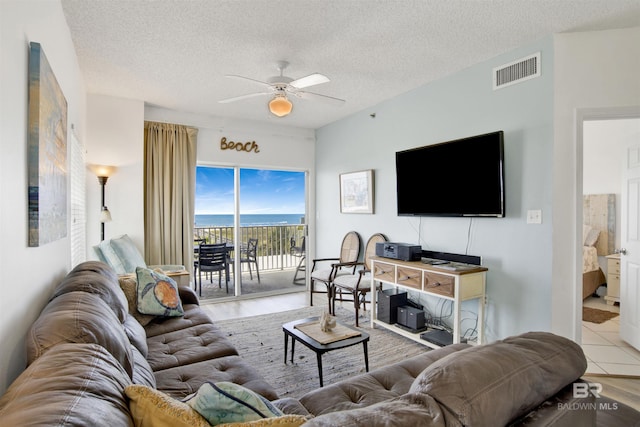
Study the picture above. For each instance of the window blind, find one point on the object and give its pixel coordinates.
(77, 177)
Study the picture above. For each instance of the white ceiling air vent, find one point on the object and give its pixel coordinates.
(517, 71)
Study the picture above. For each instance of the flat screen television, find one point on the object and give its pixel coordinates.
(464, 177)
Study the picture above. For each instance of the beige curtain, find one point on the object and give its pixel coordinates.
(169, 193)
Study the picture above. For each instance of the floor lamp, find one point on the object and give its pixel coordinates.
(103, 173)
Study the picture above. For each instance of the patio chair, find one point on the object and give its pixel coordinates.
(358, 283)
(212, 258)
(248, 255)
(344, 264)
(299, 251)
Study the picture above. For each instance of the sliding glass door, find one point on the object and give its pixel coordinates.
(260, 215)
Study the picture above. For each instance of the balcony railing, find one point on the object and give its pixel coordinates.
(274, 242)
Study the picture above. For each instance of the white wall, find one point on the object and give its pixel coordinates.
(593, 70)
(115, 135)
(518, 255)
(27, 275)
(279, 146)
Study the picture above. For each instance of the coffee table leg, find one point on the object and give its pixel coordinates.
(366, 355)
(293, 347)
(286, 345)
(319, 357)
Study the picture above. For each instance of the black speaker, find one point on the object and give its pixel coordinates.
(388, 302)
(411, 317)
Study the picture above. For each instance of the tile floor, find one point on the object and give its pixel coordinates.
(606, 353)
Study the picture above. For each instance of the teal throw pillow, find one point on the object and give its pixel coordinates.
(157, 294)
(226, 402)
(109, 256)
(128, 253)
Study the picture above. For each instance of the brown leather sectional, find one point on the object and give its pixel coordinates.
(86, 347)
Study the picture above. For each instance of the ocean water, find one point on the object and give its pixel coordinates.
(248, 220)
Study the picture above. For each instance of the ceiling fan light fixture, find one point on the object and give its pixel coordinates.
(280, 106)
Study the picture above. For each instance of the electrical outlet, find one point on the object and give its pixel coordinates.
(534, 217)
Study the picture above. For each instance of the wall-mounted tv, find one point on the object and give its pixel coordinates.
(464, 177)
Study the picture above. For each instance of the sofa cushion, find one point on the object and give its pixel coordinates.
(142, 373)
(137, 336)
(289, 405)
(226, 402)
(582, 411)
(79, 317)
(493, 384)
(189, 345)
(157, 294)
(129, 255)
(70, 385)
(411, 409)
(96, 278)
(184, 380)
(193, 316)
(152, 408)
(376, 386)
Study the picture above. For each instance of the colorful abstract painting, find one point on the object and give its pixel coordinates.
(47, 159)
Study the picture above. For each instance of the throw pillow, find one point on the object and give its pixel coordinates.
(128, 253)
(110, 257)
(129, 286)
(591, 237)
(291, 420)
(152, 408)
(157, 294)
(226, 402)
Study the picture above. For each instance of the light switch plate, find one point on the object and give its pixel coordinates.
(534, 216)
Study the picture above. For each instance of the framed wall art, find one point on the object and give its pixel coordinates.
(47, 158)
(356, 192)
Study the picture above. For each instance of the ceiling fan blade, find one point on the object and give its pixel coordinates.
(241, 97)
(234, 76)
(310, 80)
(318, 97)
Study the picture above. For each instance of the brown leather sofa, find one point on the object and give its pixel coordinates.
(526, 380)
(86, 347)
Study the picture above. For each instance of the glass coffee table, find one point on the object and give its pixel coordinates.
(290, 330)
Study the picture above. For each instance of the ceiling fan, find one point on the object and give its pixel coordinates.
(280, 87)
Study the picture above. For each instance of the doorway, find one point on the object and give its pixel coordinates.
(259, 214)
(605, 136)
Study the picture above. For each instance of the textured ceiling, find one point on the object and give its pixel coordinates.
(176, 53)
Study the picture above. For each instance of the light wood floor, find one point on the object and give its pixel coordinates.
(254, 306)
(625, 390)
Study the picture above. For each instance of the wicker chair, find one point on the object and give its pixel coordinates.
(344, 264)
(358, 283)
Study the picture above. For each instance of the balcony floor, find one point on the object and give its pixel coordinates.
(272, 282)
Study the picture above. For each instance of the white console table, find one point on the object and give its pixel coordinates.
(463, 284)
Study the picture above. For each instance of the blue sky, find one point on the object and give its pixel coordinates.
(262, 191)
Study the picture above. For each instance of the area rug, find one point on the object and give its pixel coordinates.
(595, 315)
(260, 342)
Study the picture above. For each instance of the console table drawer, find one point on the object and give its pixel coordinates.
(384, 272)
(439, 284)
(409, 277)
